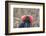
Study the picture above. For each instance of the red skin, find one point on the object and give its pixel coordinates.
(24, 17)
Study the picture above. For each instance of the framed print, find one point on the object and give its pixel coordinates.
(24, 17)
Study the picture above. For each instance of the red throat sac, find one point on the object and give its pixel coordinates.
(24, 17)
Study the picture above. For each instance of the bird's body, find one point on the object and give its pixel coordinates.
(26, 22)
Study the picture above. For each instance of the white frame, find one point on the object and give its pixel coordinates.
(31, 29)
